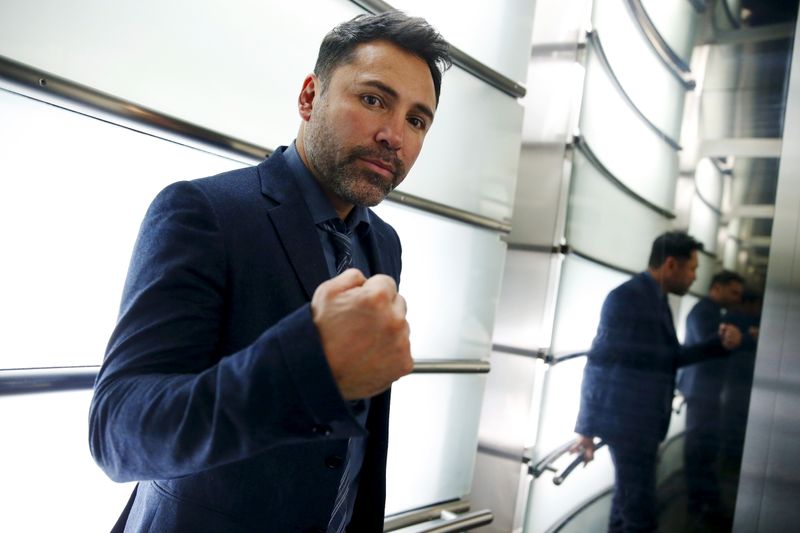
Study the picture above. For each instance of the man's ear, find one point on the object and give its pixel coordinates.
(305, 102)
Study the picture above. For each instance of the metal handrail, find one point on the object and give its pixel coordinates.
(559, 479)
(555, 359)
(593, 38)
(546, 463)
(451, 366)
(418, 516)
(735, 24)
(460, 58)
(152, 120)
(16, 381)
(459, 523)
(674, 63)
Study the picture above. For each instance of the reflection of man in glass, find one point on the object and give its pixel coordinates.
(629, 378)
(701, 385)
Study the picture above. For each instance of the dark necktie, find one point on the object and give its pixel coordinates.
(343, 249)
(342, 245)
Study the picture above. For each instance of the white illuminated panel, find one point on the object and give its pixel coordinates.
(623, 142)
(548, 503)
(708, 181)
(645, 78)
(521, 320)
(236, 67)
(706, 268)
(593, 198)
(676, 21)
(471, 153)
(73, 194)
(49, 480)
(433, 439)
(451, 281)
(238, 70)
(704, 224)
(496, 33)
(582, 291)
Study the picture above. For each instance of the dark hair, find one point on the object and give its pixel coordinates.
(726, 277)
(412, 34)
(675, 244)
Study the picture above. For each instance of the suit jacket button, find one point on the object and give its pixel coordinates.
(334, 461)
(322, 429)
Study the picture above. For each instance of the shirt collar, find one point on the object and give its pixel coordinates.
(319, 206)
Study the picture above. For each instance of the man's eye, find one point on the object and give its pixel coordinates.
(417, 123)
(370, 100)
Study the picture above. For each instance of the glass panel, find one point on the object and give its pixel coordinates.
(583, 288)
(451, 281)
(708, 181)
(497, 34)
(704, 224)
(593, 198)
(471, 154)
(79, 210)
(645, 78)
(706, 267)
(547, 502)
(434, 429)
(49, 480)
(178, 70)
(676, 21)
(686, 303)
(236, 67)
(524, 295)
(635, 154)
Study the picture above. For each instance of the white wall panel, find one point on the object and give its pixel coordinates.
(582, 291)
(496, 33)
(633, 152)
(676, 21)
(521, 320)
(471, 153)
(594, 198)
(451, 281)
(74, 192)
(649, 83)
(49, 480)
(433, 437)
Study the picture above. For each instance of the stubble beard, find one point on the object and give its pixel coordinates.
(337, 170)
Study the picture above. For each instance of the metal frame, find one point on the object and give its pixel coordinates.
(441, 518)
(460, 58)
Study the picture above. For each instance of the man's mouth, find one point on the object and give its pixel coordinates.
(380, 166)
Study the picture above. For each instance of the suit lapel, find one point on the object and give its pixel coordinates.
(293, 223)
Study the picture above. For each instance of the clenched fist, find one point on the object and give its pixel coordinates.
(365, 336)
(730, 336)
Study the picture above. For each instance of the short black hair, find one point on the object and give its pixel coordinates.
(726, 277)
(677, 244)
(412, 34)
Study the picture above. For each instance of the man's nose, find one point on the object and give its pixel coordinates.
(391, 133)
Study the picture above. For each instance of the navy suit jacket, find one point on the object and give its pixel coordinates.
(703, 380)
(629, 378)
(215, 392)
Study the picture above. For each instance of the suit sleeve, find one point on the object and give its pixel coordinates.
(702, 335)
(165, 405)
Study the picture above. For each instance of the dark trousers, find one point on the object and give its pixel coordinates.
(700, 452)
(633, 507)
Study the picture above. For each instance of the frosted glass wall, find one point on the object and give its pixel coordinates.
(237, 70)
(170, 57)
(676, 21)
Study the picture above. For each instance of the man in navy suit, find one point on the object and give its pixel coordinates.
(701, 385)
(246, 383)
(629, 378)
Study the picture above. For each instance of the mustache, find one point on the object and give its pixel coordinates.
(384, 155)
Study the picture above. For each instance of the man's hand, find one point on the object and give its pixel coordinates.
(365, 336)
(730, 336)
(585, 446)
